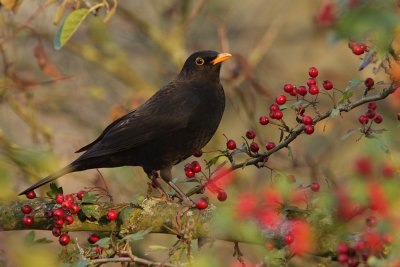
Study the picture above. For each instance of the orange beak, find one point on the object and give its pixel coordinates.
(221, 58)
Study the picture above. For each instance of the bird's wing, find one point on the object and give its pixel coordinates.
(166, 112)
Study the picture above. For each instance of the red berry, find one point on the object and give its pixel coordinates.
(80, 194)
(264, 120)
(359, 246)
(188, 167)
(371, 221)
(363, 119)
(69, 198)
(288, 88)
(272, 114)
(289, 238)
(270, 145)
(99, 249)
(293, 93)
(352, 262)
(27, 220)
(68, 219)
(313, 72)
(59, 198)
(343, 248)
(314, 90)
(198, 154)
(112, 215)
(74, 209)
(231, 144)
(64, 239)
(93, 238)
(372, 105)
(189, 174)
(358, 49)
(274, 107)
(58, 213)
(311, 82)
(388, 170)
(250, 134)
(196, 168)
(58, 222)
(398, 116)
(328, 85)
(371, 113)
(56, 231)
(280, 99)
(278, 115)
(315, 186)
(309, 129)
(369, 82)
(201, 204)
(31, 195)
(66, 205)
(378, 118)
(307, 120)
(302, 90)
(254, 147)
(222, 195)
(342, 258)
(26, 209)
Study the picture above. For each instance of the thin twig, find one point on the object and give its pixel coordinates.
(130, 259)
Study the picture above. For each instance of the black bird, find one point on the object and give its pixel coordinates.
(175, 122)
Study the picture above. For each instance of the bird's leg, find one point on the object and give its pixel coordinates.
(153, 175)
(166, 175)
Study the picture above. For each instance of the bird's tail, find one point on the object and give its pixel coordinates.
(51, 177)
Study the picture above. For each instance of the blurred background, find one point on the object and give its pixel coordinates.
(52, 102)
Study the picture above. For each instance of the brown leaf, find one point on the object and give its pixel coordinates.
(45, 64)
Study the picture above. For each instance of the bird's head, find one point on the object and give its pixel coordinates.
(204, 64)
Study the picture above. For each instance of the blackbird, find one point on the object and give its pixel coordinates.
(170, 126)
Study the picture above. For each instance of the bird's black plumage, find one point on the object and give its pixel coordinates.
(170, 126)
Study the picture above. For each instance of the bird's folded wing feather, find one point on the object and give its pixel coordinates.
(149, 122)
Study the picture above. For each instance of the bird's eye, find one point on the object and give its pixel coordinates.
(199, 61)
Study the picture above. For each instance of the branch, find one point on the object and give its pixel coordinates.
(346, 107)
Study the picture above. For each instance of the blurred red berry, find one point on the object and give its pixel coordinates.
(288, 88)
(309, 129)
(359, 246)
(388, 170)
(27, 220)
(254, 147)
(398, 116)
(274, 107)
(307, 120)
(358, 49)
(48, 214)
(250, 134)
(328, 85)
(371, 221)
(264, 120)
(370, 114)
(342, 248)
(26, 209)
(30, 194)
(80, 194)
(68, 219)
(378, 118)
(369, 83)
(58, 222)
(99, 249)
(311, 82)
(64, 239)
(363, 166)
(372, 106)
(363, 119)
(93, 238)
(289, 238)
(56, 231)
(59, 198)
(112, 215)
(314, 90)
(342, 258)
(278, 115)
(293, 93)
(313, 72)
(198, 154)
(201, 204)
(222, 195)
(58, 213)
(231, 144)
(302, 90)
(74, 209)
(66, 205)
(270, 145)
(315, 187)
(280, 99)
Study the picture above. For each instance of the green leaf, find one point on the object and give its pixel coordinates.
(346, 95)
(69, 26)
(89, 198)
(54, 190)
(213, 161)
(284, 106)
(138, 235)
(290, 152)
(335, 112)
(158, 248)
(30, 238)
(90, 210)
(347, 135)
(104, 242)
(43, 240)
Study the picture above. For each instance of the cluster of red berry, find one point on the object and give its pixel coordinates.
(371, 115)
(61, 213)
(358, 48)
(192, 168)
(350, 256)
